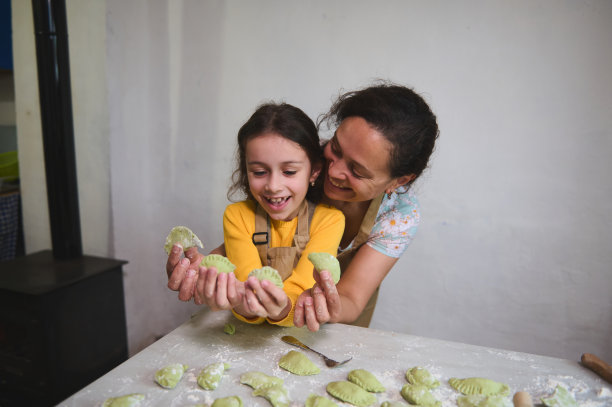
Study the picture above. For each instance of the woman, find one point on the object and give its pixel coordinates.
(385, 135)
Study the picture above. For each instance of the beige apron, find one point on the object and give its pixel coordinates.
(283, 259)
(345, 258)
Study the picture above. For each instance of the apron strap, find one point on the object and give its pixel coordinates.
(261, 237)
(302, 234)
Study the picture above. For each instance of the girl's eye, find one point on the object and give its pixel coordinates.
(258, 173)
(289, 172)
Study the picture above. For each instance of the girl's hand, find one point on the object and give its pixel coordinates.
(220, 291)
(182, 271)
(319, 305)
(264, 299)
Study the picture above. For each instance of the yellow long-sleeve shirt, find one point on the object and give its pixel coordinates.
(326, 230)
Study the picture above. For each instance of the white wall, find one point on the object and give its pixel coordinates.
(513, 251)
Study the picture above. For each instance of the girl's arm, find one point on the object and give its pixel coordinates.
(344, 302)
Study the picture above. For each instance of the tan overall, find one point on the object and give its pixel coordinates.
(283, 259)
(345, 258)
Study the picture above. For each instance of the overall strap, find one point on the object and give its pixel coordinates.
(302, 234)
(261, 237)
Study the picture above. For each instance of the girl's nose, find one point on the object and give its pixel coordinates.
(273, 184)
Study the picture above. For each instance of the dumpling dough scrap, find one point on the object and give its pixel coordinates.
(366, 380)
(258, 379)
(479, 400)
(479, 385)
(298, 363)
(169, 376)
(229, 329)
(231, 401)
(314, 400)
(210, 376)
(184, 236)
(420, 375)
(419, 395)
(560, 398)
(268, 273)
(277, 395)
(351, 393)
(325, 261)
(129, 400)
(221, 263)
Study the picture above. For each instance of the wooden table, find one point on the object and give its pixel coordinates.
(202, 341)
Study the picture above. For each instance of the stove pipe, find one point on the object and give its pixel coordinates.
(51, 32)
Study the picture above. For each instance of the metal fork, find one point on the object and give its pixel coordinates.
(328, 362)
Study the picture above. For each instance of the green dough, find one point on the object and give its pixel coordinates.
(560, 398)
(298, 363)
(276, 394)
(478, 385)
(169, 376)
(366, 380)
(268, 273)
(351, 393)
(419, 395)
(257, 380)
(479, 400)
(221, 263)
(182, 235)
(419, 375)
(319, 401)
(394, 404)
(231, 401)
(325, 261)
(210, 376)
(130, 400)
(229, 329)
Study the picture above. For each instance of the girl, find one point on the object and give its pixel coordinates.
(279, 158)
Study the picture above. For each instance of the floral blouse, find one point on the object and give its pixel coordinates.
(396, 224)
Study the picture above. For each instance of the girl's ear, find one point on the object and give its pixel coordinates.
(398, 182)
(316, 170)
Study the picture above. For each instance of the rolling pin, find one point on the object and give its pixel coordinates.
(522, 399)
(597, 365)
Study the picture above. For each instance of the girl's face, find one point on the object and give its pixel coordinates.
(358, 163)
(279, 173)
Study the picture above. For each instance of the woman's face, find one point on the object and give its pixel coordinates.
(357, 163)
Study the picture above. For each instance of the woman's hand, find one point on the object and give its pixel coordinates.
(183, 271)
(220, 291)
(265, 300)
(319, 305)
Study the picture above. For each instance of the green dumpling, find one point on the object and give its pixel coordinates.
(129, 400)
(319, 401)
(298, 363)
(210, 376)
(419, 395)
(419, 375)
(351, 393)
(325, 261)
(560, 398)
(267, 273)
(221, 263)
(259, 379)
(366, 380)
(277, 395)
(169, 376)
(231, 401)
(479, 400)
(479, 385)
(184, 236)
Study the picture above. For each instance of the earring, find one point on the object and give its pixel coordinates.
(312, 183)
(389, 194)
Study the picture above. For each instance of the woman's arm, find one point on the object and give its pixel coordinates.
(344, 302)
